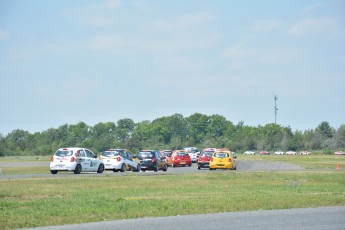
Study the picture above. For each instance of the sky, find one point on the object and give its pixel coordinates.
(63, 62)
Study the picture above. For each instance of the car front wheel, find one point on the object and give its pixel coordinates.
(100, 168)
(53, 171)
(123, 168)
(138, 168)
(77, 169)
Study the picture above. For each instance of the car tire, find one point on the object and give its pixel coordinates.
(123, 168)
(165, 168)
(53, 171)
(100, 168)
(138, 168)
(77, 169)
(115, 170)
(199, 167)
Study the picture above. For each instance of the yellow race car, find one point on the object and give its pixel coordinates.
(222, 159)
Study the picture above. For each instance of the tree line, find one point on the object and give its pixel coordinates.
(173, 132)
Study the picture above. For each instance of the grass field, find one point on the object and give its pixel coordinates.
(318, 161)
(56, 201)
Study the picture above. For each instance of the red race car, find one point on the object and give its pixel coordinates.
(204, 158)
(180, 157)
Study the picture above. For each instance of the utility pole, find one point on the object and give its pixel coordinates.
(275, 108)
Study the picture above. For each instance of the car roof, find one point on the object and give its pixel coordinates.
(71, 148)
(226, 152)
(115, 149)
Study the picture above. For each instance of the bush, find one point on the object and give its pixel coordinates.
(327, 151)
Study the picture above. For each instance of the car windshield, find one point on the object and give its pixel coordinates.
(221, 155)
(193, 151)
(167, 153)
(110, 153)
(64, 153)
(145, 155)
(207, 154)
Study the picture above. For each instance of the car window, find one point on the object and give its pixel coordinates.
(166, 153)
(90, 154)
(193, 151)
(64, 153)
(207, 154)
(109, 153)
(221, 155)
(129, 156)
(145, 154)
(81, 153)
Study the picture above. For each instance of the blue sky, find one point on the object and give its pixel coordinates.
(62, 62)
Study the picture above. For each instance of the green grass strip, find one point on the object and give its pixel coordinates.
(44, 202)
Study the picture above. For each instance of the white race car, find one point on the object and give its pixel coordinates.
(193, 152)
(305, 153)
(76, 160)
(249, 153)
(279, 153)
(290, 153)
(339, 153)
(120, 160)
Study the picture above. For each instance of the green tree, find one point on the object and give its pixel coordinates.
(77, 134)
(340, 137)
(217, 126)
(197, 125)
(325, 130)
(124, 129)
(103, 136)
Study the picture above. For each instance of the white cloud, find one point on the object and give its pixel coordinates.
(313, 8)
(109, 43)
(75, 89)
(184, 21)
(97, 15)
(313, 26)
(237, 51)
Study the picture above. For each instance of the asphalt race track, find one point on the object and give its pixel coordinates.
(241, 166)
(322, 218)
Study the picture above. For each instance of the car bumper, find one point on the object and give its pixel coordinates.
(221, 166)
(182, 162)
(62, 167)
(194, 159)
(204, 164)
(112, 165)
(148, 166)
